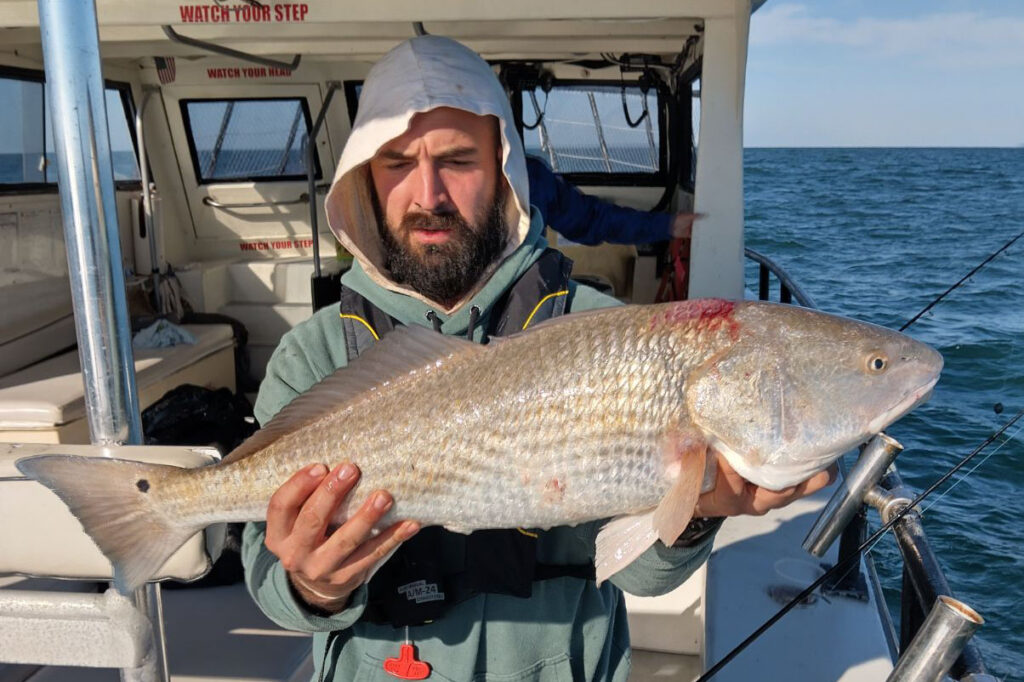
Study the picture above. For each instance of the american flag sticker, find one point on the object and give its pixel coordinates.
(164, 69)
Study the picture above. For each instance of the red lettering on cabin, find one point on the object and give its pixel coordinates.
(243, 13)
(289, 11)
(204, 14)
(247, 72)
(276, 245)
(224, 73)
(710, 314)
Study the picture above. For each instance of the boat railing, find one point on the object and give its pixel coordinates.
(924, 584)
(788, 288)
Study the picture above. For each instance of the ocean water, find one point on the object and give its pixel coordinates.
(876, 234)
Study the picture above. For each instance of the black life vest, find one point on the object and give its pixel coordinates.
(437, 568)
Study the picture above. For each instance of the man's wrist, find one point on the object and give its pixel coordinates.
(321, 603)
(698, 530)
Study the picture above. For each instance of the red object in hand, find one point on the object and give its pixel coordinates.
(406, 667)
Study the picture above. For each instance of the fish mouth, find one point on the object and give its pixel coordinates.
(901, 408)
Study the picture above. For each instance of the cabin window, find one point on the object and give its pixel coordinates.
(247, 140)
(582, 130)
(27, 160)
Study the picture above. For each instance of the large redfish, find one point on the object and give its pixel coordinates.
(605, 414)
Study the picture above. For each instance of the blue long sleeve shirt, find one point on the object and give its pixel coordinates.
(589, 220)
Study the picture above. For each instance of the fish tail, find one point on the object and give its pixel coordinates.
(114, 499)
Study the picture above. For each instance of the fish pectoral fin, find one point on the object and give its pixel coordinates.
(461, 530)
(621, 541)
(688, 457)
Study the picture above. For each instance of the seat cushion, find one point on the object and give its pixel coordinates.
(36, 319)
(51, 393)
(41, 537)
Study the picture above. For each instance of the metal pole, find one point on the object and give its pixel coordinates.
(309, 147)
(224, 121)
(600, 132)
(291, 139)
(848, 498)
(86, 182)
(542, 130)
(938, 643)
(71, 58)
(923, 578)
(147, 198)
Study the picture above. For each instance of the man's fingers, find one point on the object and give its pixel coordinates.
(375, 550)
(347, 538)
(763, 500)
(682, 224)
(287, 501)
(311, 523)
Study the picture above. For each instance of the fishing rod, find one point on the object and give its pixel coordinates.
(963, 279)
(846, 563)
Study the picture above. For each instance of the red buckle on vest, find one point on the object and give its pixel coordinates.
(406, 667)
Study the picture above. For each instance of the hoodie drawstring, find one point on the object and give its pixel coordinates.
(474, 320)
(434, 320)
(474, 317)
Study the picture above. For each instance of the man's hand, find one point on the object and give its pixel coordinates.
(733, 495)
(682, 224)
(325, 568)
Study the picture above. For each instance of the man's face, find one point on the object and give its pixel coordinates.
(440, 198)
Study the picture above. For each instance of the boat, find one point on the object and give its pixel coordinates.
(195, 142)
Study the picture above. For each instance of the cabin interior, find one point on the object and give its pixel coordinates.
(614, 107)
(209, 108)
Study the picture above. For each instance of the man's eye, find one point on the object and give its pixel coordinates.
(398, 165)
(460, 162)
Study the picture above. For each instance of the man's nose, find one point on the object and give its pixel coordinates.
(431, 195)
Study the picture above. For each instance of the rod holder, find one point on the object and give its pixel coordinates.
(938, 643)
(848, 498)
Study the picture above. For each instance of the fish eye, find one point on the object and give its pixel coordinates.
(877, 363)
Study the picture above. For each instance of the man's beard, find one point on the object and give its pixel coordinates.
(445, 272)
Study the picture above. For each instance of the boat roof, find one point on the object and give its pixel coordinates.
(326, 30)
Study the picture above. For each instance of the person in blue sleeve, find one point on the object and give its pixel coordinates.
(589, 220)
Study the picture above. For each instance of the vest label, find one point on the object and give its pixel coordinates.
(420, 591)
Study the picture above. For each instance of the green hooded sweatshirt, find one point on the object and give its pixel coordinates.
(568, 629)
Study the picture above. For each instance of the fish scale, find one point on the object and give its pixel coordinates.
(550, 433)
(604, 414)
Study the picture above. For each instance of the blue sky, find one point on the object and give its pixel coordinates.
(886, 73)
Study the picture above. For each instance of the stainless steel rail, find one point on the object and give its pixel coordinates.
(938, 642)
(71, 59)
(923, 579)
(147, 196)
(788, 288)
(176, 37)
(309, 149)
(301, 199)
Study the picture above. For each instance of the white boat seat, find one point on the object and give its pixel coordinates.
(41, 537)
(46, 402)
(36, 319)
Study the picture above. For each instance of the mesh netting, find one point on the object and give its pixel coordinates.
(584, 129)
(248, 138)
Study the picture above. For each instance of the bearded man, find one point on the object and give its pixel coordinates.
(431, 197)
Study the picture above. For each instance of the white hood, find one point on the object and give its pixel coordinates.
(418, 75)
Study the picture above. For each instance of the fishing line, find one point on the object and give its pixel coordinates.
(843, 564)
(971, 471)
(963, 279)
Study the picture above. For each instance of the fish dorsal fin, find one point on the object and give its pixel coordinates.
(405, 351)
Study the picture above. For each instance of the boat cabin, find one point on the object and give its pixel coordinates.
(224, 120)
